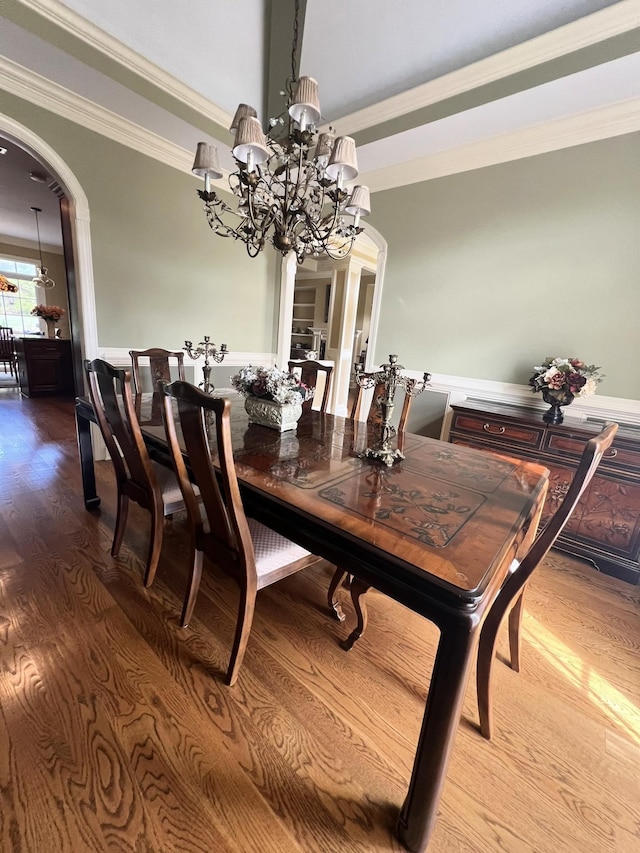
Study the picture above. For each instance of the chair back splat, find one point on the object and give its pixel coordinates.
(309, 375)
(7, 349)
(252, 554)
(374, 412)
(160, 361)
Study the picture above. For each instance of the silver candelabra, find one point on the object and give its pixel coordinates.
(209, 351)
(389, 377)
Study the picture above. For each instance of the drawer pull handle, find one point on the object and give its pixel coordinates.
(496, 431)
(612, 454)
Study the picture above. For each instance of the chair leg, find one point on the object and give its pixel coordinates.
(243, 629)
(335, 608)
(486, 654)
(155, 544)
(358, 590)
(192, 589)
(515, 640)
(121, 523)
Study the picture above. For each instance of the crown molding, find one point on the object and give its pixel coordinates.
(602, 123)
(589, 30)
(590, 126)
(30, 245)
(38, 90)
(71, 22)
(119, 356)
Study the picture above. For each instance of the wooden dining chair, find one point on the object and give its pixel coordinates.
(160, 361)
(309, 371)
(365, 405)
(7, 350)
(511, 596)
(252, 554)
(150, 485)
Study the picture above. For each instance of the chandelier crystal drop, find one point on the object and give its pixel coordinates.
(289, 185)
(42, 279)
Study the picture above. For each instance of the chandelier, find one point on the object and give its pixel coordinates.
(290, 186)
(42, 279)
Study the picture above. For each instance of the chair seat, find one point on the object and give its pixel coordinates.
(171, 495)
(272, 551)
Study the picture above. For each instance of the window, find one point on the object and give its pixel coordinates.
(15, 308)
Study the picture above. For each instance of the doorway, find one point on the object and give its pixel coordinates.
(354, 288)
(75, 239)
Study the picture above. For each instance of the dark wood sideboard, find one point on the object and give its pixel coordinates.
(44, 367)
(605, 526)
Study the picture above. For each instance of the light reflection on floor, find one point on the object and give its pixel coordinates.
(617, 707)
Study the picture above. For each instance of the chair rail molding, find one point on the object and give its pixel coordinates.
(119, 356)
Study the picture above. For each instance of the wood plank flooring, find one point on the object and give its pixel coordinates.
(118, 734)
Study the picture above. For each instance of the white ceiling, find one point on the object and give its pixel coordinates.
(209, 54)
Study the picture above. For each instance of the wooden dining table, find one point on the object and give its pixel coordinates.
(436, 532)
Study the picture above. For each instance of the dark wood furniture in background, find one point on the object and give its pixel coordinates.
(7, 349)
(44, 367)
(605, 528)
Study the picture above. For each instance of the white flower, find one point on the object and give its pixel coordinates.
(588, 388)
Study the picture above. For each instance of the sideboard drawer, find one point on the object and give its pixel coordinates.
(488, 427)
(617, 456)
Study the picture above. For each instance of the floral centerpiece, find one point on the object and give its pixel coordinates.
(273, 397)
(561, 380)
(48, 312)
(51, 315)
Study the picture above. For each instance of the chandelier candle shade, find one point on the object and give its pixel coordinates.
(42, 279)
(289, 187)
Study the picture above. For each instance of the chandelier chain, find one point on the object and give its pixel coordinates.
(294, 47)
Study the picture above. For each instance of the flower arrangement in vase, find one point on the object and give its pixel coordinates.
(51, 315)
(273, 397)
(561, 380)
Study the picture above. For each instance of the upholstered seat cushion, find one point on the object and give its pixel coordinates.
(272, 550)
(171, 494)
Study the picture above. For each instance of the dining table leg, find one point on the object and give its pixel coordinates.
(456, 650)
(87, 471)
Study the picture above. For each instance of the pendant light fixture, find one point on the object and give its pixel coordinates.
(290, 188)
(42, 279)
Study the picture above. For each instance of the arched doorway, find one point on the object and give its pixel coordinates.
(76, 238)
(346, 276)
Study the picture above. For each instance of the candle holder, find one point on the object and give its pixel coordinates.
(209, 351)
(390, 377)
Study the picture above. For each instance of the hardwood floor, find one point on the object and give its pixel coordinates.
(118, 733)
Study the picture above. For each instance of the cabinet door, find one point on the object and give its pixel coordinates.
(611, 515)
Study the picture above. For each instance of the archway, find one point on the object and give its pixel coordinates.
(350, 270)
(76, 236)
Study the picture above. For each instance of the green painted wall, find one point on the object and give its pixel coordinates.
(490, 271)
(160, 274)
